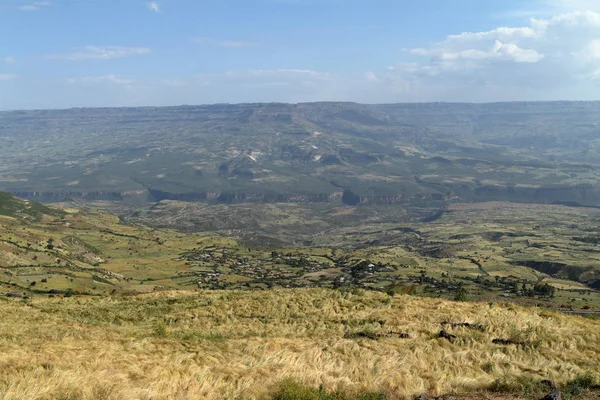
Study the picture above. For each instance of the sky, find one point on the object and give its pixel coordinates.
(96, 53)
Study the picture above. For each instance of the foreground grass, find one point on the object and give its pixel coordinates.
(243, 345)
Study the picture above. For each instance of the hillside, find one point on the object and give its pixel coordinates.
(50, 251)
(14, 207)
(234, 345)
(410, 154)
(544, 255)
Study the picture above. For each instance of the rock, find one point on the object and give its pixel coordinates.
(401, 335)
(478, 327)
(507, 342)
(15, 295)
(445, 335)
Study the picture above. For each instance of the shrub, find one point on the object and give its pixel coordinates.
(161, 330)
(489, 367)
(579, 385)
(461, 295)
(293, 390)
(526, 385)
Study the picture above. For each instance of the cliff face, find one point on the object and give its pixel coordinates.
(580, 195)
(55, 196)
(588, 195)
(585, 274)
(236, 198)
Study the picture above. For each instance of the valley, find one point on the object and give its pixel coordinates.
(310, 251)
(484, 251)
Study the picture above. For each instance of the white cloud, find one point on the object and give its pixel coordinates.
(35, 6)
(153, 6)
(8, 60)
(552, 58)
(225, 43)
(102, 53)
(7, 77)
(95, 80)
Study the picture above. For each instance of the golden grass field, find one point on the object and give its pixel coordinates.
(242, 345)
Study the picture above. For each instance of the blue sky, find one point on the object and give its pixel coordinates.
(74, 53)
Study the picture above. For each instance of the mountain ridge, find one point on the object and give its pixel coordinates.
(304, 149)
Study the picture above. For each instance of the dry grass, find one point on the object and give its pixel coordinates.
(242, 345)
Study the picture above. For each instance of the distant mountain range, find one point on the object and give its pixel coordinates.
(316, 152)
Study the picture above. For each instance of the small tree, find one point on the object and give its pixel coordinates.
(544, 290)
(461, 295)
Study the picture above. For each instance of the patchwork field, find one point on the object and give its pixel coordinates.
(533, 254)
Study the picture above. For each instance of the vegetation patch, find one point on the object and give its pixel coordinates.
(294, 390)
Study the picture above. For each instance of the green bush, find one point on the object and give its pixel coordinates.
(525, 385)
(293, 390)
(461, 295)
(489, 367)
(161, 330)
(579, 385)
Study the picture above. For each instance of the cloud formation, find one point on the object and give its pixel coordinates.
(102, 53)
(104, 79)
(35, 6)
(549, 56)
(7, 77)
(8, 60)
(153, 6)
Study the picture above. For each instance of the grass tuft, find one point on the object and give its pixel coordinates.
(579, 385)
(241, 344)
(524, 385)
(293, 390)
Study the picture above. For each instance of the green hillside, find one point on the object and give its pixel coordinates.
(12, 206)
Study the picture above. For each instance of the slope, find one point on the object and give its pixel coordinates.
(234, 345)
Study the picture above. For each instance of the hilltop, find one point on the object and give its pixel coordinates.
(14, 207)
(248, 345)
